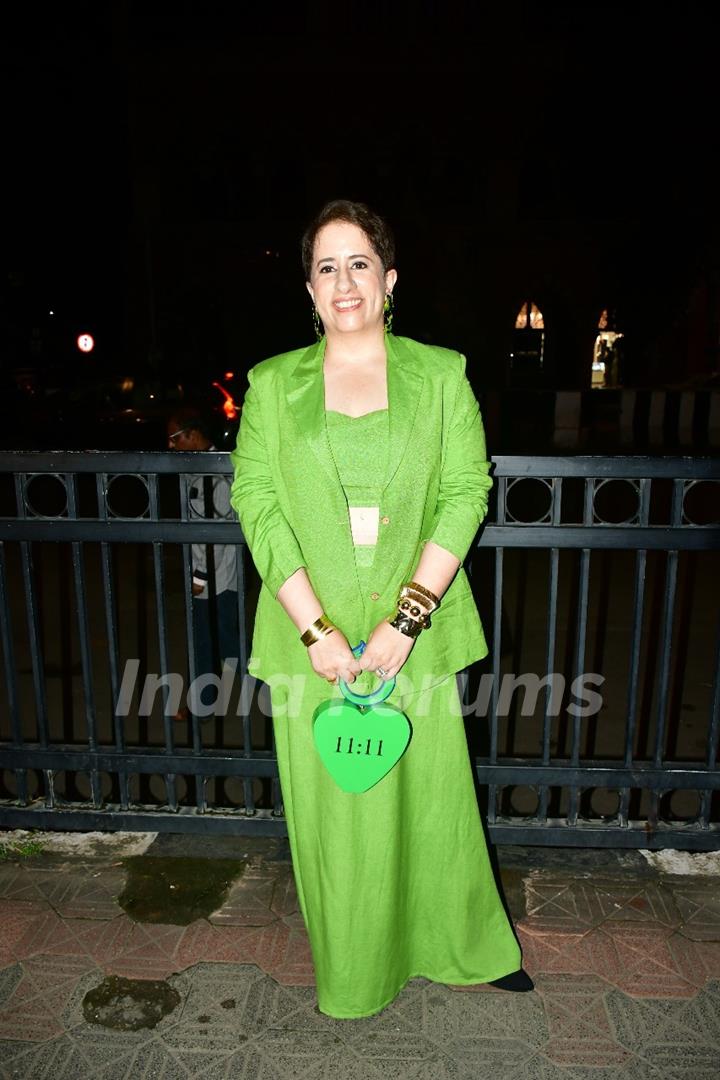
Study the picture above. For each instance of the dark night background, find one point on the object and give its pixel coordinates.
(163, 158)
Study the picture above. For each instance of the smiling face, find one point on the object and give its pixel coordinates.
(347, 282)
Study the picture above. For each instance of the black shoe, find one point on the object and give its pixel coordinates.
(517, 981)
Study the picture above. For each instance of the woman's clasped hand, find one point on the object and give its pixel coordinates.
(387, 650)
(332, 658)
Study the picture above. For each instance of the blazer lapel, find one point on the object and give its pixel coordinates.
(404, 391)
(306, 400)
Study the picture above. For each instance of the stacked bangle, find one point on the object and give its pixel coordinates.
(415, 605)
(320, 628)
(420, 595)
(407, 625)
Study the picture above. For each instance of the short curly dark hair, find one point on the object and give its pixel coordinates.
(375, 228)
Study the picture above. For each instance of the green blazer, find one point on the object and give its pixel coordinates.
(293, 510)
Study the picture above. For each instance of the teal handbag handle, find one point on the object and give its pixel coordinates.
(383, 691)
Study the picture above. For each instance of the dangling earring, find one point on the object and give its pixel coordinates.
(316, 324)
(388, 310)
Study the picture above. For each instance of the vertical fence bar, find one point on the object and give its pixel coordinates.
(666, 633)
(496, 647)
(635, 648)
(713, 735)
(111, 629)
(84, 640)
(581, 635)
(160, 609)
(36, 651)
(11, 675)
(248, 796)
(551, 638)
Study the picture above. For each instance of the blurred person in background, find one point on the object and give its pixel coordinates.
(214, 580)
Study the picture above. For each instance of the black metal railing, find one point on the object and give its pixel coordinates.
(593, 575)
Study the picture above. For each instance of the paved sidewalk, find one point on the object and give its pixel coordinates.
(626, 960)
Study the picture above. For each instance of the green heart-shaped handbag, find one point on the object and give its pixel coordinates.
(360, 737)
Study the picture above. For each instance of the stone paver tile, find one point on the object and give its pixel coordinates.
(541, 948)
(23, 883)
(549, 953)
(285, 898)
(284, 953)
(92, 895)
(561, 905)
(202, 941)
(701, 1015)
(383, 1053)
(19, 925)
(145, 951)
(688, 1062)
(250, 1064)
(552, 901)
(160, 1062)
(541, 1068)
(56, 1058)
(9, 871)
(50, 934)
(279, 950)
(248, 903)
(642, 1022)
(555, 903)
(258, 866)
(579, 1026)
(647, 965)
(653, 903)
(696, 961)
(34, 1010)
(699, 908)
(110, 1053)
(440, 1067)
(478, 1055)
(639, 1069)
(98, 939)
(226, 1004)
(696, 894)
(295, 966)
(310, 1055)
(9, 978)
(496, 1015)
(74, 892)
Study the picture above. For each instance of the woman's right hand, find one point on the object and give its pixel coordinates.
(332, 658)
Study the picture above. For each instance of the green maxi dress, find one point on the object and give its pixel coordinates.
(395, 882)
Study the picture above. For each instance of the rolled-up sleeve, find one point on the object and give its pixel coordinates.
(253, 495)
(464, 479)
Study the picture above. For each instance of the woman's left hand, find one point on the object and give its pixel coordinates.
(387, 648)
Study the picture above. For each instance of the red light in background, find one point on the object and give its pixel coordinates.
(229, 406)
(229, 375)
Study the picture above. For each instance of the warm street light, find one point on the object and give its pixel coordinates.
(86, 343)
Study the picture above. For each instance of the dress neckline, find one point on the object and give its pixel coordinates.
(373, 412)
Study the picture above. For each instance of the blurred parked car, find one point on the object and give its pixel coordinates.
(125, 412)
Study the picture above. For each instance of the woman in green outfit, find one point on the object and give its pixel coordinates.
(361, 478)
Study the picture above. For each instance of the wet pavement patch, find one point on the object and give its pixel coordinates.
(161, 889)
(129, 1004)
